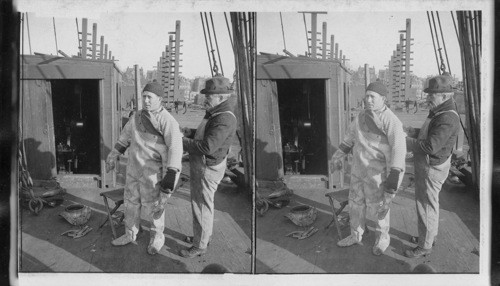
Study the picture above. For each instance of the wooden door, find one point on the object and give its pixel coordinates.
(38, 129)
(268, 153)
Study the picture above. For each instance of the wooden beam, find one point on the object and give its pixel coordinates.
(106, 51)
(177, 58)
(323, 43)
(332, 47)
(84, 38)
(314, 30)
(138, 97)
(94, 40)
(101, 48)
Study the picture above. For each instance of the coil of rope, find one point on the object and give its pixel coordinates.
(35, 204)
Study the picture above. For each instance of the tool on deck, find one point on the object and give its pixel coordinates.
(303, 234)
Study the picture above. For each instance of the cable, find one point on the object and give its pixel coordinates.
(216, 44)
(283, 31)
(433, 43)
(55, 34)
(206, 44)
(444, 44)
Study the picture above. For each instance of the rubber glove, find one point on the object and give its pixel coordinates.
(111, 159)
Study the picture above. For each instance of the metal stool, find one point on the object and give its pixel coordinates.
(342, 197)
(116, 196)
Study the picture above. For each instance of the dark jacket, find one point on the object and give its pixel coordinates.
(219, 133)
(441, 135)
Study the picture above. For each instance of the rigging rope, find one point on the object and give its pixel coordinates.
(215, 68)
(283, 32)
(216, 44)
(28, 27)
(229, 31)
(444, 44)
(206, 44)
(442, 66)
(433, 43)
(55, 34)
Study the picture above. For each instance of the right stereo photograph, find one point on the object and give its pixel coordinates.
(368, 142)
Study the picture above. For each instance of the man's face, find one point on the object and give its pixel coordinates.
(212, 100)
(150, 101)
(373, 100)
(435, 99)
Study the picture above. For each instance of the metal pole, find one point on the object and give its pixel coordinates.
(407, 58)
(177, 56)
(106, 51)
(336, 50)
(101, 47)
(314, 30)
(55, 34)
(332, 47)
(94, 40)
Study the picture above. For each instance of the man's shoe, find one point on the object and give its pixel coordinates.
(193, 251)
(156, 242)
(414, 239)
(348, 241)
(190, 239)
(417, 252)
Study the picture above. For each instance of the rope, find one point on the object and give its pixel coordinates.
(206, 44)
(444, 44)
(28, 27)
(307, 38)
(216, 44)
(433, 43)
(55, 34)
(283, 32)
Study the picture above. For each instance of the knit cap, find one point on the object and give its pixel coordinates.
(377, 87)
(155, 88)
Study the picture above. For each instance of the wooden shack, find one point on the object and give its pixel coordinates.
(70, 116)
(302, 111)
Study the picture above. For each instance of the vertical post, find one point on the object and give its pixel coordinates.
(171, 75)
(164, 83)
(323, 43)
(343, 59)
(407, 57)
(138, 97)
(106, 51)
(340, 56)
(336, 50)
(110, 57)
(177, 56)
(332, 46)
(101, 48)
(94, 40)
(314, 35)
(367, 76)
(84, 38)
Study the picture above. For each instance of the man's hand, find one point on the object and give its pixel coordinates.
(336, 165)
(391, 183)
(111, 159)
(385, 205)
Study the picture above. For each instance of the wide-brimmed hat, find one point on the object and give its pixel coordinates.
(217, 85)
(440, 83)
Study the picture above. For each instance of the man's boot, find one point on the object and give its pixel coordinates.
(156, 242)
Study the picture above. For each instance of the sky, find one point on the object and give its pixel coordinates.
(137, 31)
(364, 37)
(135, 38)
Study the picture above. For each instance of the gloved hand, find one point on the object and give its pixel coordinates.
(111, 159)
(391, 183)
(159, 205)
(167, 184)
(187, 132)
(385, 205)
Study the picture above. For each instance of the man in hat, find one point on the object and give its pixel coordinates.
(154, 144)
(208, 147)
(377, 141)
(432, 146)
